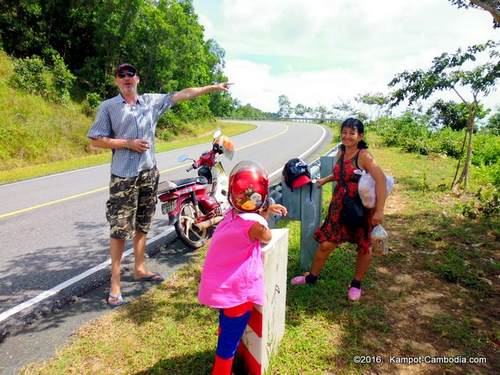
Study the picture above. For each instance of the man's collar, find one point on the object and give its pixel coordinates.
(122, 99)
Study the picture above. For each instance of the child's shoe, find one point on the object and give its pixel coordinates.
(354, 294)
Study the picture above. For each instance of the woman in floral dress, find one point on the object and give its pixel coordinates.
(335, 230)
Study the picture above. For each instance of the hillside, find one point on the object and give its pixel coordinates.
(35, 131)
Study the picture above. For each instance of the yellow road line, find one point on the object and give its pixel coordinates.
(3, 216)
(12, 213)
(265, 139)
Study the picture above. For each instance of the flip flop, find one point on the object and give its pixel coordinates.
(155, 277)
(118, 300)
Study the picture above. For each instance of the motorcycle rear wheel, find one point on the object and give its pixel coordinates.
(187, 232)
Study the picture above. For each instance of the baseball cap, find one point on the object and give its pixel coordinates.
(125, 66)
(300, 181)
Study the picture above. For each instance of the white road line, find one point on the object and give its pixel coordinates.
(271, 176)
(53, 291)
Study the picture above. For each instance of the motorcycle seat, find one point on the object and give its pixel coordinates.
(168, 185)
(189, 181)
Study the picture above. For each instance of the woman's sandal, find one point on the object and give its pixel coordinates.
(354, 294)
(299, 280)
(115, 300)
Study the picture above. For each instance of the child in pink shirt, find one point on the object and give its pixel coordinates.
(232, 279)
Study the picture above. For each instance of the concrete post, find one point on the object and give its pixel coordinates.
(267, 323)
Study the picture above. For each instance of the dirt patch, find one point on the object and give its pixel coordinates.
(428, 316)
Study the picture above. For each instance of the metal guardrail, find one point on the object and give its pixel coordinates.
(276, 190)
(305, 204)
(290, 119)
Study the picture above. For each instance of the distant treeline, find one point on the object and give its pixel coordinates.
(162, 38)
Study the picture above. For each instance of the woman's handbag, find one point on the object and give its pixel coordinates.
(353, 211)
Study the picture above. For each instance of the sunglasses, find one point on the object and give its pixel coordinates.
(128, 73)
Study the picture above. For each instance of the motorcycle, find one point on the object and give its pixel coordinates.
(195, 205)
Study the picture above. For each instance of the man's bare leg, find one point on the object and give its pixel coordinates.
(139, 250)
(116, 247)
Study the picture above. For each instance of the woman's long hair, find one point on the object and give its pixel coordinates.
(354, 123)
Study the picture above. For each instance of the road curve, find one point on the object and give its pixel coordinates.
(54, 228)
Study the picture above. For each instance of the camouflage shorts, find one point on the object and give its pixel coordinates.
(132, 203)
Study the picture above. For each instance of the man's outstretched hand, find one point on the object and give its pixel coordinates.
(224, 86)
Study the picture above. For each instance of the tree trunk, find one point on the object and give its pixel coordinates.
(464, 177)
(459, 160)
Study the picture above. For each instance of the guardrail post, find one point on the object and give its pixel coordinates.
(326, 165)
(305, 204)
(310, 217)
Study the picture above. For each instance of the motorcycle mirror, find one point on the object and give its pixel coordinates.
(217, 133)
(182, 158)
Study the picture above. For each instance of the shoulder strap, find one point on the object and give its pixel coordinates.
(341, 160)
(356, 159)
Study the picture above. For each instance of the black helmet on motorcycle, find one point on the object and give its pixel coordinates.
(248, 186)
(224, 145)
(296, 173)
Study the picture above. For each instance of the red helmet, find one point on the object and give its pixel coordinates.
(248, 186)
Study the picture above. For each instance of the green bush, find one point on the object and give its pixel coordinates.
(62, 79)
(412, 134)
(32, 75)
(446, 142)
(91, 103)
(408, 132)
(165, 134)
(486, 149)
(488, 174)
(486, 203)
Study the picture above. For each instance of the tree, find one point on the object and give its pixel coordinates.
(285, 106)
(247, 111)
(343, 110)
(448, 74)
(300, 110)
(321, 112)
(377, 100)
(221, 104)
(493, 124)
(163, 38)
(451, 114)
(491, 6)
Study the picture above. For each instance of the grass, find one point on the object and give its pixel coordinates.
(205, 131)
(458, 330)
(34, 130)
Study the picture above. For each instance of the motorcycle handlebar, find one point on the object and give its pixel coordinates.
(190, 168)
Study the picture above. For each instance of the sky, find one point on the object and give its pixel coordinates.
(325, 52)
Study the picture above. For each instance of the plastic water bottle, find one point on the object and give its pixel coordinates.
(379, 240)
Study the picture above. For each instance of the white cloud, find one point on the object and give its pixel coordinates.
(208, 26)
(319, 50)
(255, 84)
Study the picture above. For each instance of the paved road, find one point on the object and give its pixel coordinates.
(53, 228)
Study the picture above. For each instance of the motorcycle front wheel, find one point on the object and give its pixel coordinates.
(186, 230)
